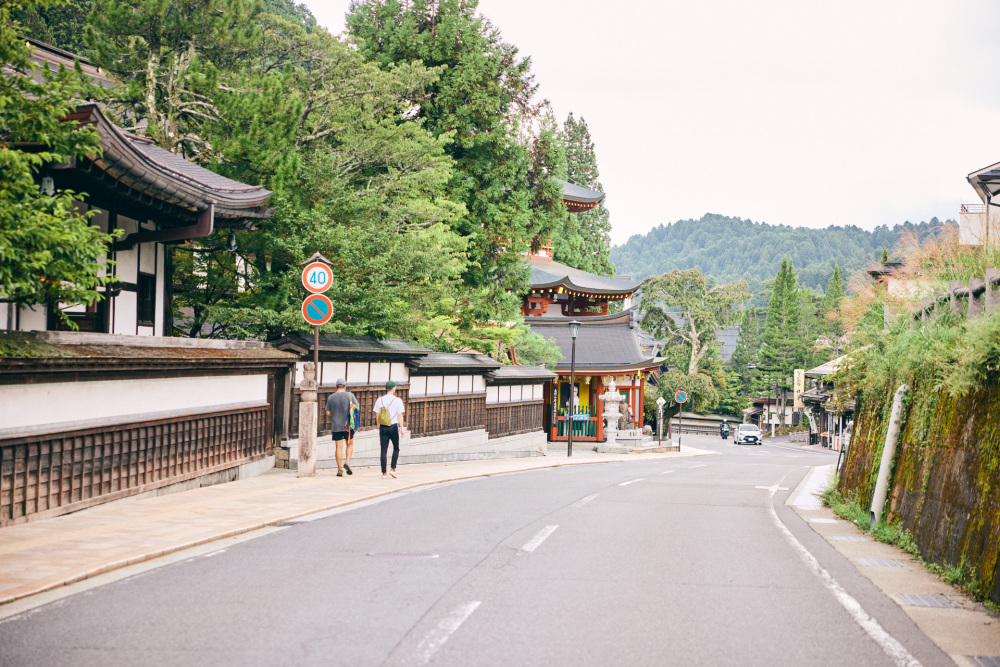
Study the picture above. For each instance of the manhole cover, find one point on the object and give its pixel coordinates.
(400, 554)
(849, 538)
(984, 660)
(920, 600)
(878, 562)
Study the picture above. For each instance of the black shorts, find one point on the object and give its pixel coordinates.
(342, 435)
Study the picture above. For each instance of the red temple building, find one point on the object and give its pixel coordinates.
(608, 343)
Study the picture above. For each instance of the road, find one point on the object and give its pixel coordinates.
(670, 562)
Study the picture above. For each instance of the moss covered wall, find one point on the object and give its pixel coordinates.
(945, 485)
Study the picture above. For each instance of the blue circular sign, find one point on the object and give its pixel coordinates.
(681, 396)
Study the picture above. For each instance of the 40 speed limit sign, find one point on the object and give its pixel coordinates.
(317, 277)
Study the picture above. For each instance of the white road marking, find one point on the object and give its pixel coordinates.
(584, 501)
(539, 538)
(772, 489)
(667, 472)
(889, 644)
(632, 481)
(703, 465)
(437, 637)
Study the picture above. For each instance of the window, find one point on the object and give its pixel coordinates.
(146, 304)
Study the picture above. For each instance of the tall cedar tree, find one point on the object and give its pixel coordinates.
(168, 56)
(585, 239)
(49, 253)
(484, 98)
(59, 24)
(747, 354)
(783, 347)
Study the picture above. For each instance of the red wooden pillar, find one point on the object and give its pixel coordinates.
(598, 389)
(641, 408)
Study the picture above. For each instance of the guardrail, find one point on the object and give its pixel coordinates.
(981, 294)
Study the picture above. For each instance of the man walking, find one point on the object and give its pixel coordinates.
(338, 409)
(389, 410)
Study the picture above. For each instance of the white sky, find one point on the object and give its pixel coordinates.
(796, 112)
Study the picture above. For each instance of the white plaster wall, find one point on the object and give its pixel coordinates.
(127, 260)
(35, 405)
(33, 318)
(515, 393)
(399, 372)
(478, 384)
(418, 386)
(434, 385)
(333, 370)
(451, 384)
(465, 384)
(160, 286)
(147, 257)
(357, 372)
(505, 395)
(145, 331)
(5, 314)
(539, 392)
(379, 373)
(125, 312)
(493, 394)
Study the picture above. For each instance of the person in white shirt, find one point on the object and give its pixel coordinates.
(397, 426)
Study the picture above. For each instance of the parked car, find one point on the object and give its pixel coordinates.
(747, 434)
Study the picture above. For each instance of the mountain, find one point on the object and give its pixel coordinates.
(732, 249)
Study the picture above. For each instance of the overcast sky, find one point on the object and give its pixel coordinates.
(796, 112)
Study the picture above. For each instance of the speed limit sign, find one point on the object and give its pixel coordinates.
(317, 277)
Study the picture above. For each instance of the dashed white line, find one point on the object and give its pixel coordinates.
(632, 481)
(539, 538)
(667, 472)
(889, 644)
(584, 501)
(437, 637)
(703, 465)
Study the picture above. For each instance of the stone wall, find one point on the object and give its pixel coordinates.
(945, 485)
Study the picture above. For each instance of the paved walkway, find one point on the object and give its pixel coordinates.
(43, 555)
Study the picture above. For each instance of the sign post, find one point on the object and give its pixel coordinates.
(317, 309)
(659, 421)
(681, 396)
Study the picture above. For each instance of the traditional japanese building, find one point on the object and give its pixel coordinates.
(608, 345)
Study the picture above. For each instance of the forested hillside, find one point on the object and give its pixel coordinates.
(732, 249)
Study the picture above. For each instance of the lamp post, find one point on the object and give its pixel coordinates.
(574, 331)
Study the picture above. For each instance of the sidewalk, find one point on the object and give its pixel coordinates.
(47, 554)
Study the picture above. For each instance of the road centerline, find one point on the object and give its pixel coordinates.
(537, 540)
(585, 500)
(631, 481)
(437, 637)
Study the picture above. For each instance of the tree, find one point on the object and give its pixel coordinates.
(584, 241)
(49, 254)
(681, 308)
(59, 24)
(167, 55)
(739, 373)
(783, 346)
(484, 100)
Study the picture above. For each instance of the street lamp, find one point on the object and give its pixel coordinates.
(574, 331)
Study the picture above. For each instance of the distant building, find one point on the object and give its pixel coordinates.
(979, 224)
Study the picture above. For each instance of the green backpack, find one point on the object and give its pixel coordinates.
(384, 418)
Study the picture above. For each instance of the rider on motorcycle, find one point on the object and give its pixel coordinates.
(724, 429)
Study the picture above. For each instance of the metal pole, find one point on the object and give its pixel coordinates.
(680, 424)
(316, 350)
(659, 426)
(572, 410)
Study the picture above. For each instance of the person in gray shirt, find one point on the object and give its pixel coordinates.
(338, 409)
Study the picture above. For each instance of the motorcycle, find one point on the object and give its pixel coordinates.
(725, 433)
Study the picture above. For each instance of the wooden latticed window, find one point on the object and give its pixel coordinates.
(146, 304)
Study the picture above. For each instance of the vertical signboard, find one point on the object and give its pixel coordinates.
(798, 386)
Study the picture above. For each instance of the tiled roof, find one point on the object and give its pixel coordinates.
(446, 361)
(549, 273)
(575, 194)
(343, 346)
(514, 374)
(599, 345)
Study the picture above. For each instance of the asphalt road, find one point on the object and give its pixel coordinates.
(670, 562)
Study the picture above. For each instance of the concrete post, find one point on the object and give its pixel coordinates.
(992, 294)
(307, 421)
(888, 451)
(975, 301)
(956, 304)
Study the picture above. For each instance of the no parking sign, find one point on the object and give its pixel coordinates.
(681, 396)
(317, 309)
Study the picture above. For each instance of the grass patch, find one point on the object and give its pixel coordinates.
(960, 575)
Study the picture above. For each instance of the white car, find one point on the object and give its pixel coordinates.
(747, 434)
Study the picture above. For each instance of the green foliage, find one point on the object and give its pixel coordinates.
(734, 249)
(483, 98)
(584, 239)
(60, 24)
(49, 254)
(739, 374)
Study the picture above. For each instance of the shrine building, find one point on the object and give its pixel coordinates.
(608, 343)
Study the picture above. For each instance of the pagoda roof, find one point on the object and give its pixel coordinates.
(547, 273)
(578, 199)
(986, 181)
(609, 346)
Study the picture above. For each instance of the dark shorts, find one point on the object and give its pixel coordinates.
(341, 435)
